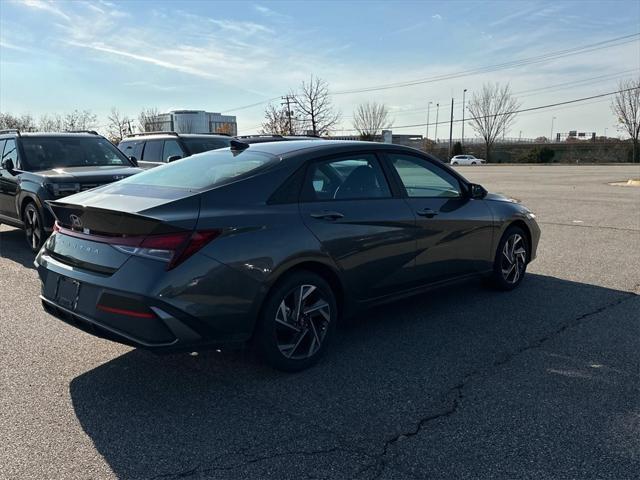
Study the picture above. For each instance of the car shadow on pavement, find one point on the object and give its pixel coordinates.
(13, 246)
(389, 372)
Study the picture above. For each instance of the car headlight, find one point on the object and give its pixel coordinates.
(63, 189)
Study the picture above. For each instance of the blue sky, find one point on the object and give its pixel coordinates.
(62, 55)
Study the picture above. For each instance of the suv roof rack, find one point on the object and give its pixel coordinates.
(10, 130)
(275, 135)
(144, 134)
(92, 132)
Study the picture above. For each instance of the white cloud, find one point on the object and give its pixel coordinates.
(436, 16)
(46, 6)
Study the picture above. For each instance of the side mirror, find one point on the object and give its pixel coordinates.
(8, 165)
(173, 158)
(133, 160)
(477, 191)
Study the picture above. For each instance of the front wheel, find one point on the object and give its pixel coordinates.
(33, 227)
(473, 163)
(296, 322)
(454, 163)
(511, 259)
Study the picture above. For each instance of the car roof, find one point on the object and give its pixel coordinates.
(283, 149)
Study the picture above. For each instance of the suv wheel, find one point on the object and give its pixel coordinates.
(33, 227)
(297, 322)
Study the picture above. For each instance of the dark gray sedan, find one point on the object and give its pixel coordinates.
(273, 243)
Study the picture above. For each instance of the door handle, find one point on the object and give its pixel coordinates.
(427, 212)
(327, 215)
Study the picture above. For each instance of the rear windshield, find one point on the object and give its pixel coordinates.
(199, 145)
(202, 171)
(44, 153)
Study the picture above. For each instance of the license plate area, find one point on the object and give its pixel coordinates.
(67, 293)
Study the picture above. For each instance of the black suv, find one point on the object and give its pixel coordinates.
(151, 149)
(37, 167)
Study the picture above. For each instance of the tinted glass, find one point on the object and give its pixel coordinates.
(171, 149)
(203, 171)
(59, 152)
(152, 151)
(423, 179)
(347, 178)
(1, 148)
(199, 145)
(10, 152)
(132, 148)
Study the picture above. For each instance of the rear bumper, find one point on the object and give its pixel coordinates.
(211, 306)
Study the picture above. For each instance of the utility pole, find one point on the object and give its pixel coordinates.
(426, 138)
(464, 92)
(437, 115)
(552, 120)
(288, 100)
(451, 129)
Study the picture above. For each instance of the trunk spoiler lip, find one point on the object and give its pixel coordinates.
(101, 237)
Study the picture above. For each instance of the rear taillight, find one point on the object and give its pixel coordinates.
(173, 248)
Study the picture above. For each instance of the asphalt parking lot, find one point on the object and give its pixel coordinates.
(541, 382)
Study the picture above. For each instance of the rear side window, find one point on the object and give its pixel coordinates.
(203, 171)
(347, 178)
(199, 145)
(132, 148)
(9, 152)
(153, 151)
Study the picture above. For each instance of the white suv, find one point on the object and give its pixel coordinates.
(466, 160)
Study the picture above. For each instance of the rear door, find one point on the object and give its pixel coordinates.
(454, 231)
(349, 206)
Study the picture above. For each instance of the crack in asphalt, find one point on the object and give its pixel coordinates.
(456, 392)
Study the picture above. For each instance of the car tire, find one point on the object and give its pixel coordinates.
(291, 338)
(454, 163)
(512, 256)
(33, 226)
(473, 163)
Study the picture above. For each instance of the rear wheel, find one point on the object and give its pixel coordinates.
(454, 163)
(511, 259)
(473, 163)
(297, 322)
(33, 226)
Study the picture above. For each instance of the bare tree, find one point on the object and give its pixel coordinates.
(371, 118)
(275, 121)
(314, 104)
(23, 122)
(492, 111)
(149, 120)
(79, 120)
(51, 123)
(118, 125)
(626, 107)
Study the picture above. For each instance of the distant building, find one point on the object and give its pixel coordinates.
(193, 121)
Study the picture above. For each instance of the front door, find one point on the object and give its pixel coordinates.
(454, 231)
(348, 205)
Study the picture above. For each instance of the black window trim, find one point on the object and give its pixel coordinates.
(464, 185)
(303, 196)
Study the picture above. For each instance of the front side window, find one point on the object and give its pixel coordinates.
(132, 148)
(423, 179)
(203, 171)
(171, 149)
(152, 151)
(347, 178)
(44, 153)
(10, 153)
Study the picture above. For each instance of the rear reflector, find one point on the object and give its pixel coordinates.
(173, 248)
(124, 311)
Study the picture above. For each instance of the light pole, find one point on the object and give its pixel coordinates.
(553, 119)
(463, 95)
(435, 135)
(451, 129)
(428, 111)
